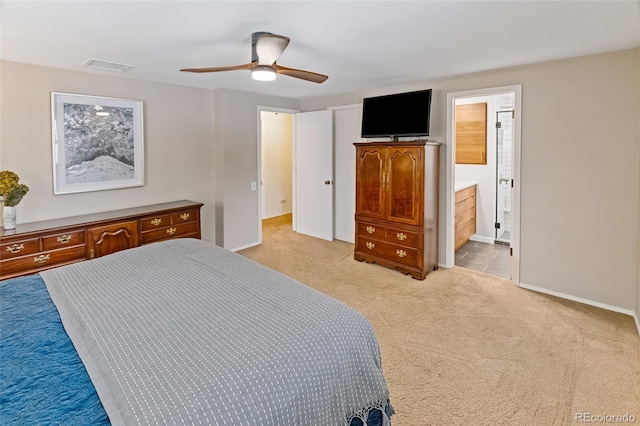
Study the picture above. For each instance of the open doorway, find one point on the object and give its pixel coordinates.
(276, 185)
(276, 170)
(482, 187)
(323, 171)
(483, 140)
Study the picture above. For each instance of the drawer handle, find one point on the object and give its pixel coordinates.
(185, 216)
(171, 231)
(401, 253)
(42, 258)
(401, 236)
(371, 229)
(156, 222)
(16, 248)
(370, 245)
(64, 239)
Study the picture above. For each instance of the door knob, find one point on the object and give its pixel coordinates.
(327, 182)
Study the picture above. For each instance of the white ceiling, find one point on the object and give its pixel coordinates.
(359, 44)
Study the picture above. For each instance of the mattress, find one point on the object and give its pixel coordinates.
(184, 332)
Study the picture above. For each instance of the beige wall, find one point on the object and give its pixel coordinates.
(580, 160)
(178, 125)
(237, 142)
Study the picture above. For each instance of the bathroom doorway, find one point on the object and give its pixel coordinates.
(482, 172)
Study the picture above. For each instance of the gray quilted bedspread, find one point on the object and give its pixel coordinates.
(184, 332)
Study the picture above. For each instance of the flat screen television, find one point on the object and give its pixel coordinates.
(400, 114)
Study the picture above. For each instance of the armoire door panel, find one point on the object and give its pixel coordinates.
(370, 197)
(404, 185)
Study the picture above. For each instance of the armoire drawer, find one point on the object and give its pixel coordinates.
(387, 251)
(403, 237)
(370, 230)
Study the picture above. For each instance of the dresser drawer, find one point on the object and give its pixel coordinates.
(19, 248)
(370, 231)
(42, 260)
(391, 252)
(398, 236)
(184, 216)
(180, 230)
(156, 222)
(65, 239)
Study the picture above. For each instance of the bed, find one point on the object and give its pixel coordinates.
(183, 332)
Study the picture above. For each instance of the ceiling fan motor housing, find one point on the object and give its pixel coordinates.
(254, 40)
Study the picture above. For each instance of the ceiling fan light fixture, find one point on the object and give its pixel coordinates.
(263, 73)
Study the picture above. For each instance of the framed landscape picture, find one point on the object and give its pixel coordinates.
(98, 143)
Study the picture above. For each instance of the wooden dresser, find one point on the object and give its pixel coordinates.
(36, 246)
(397, 205)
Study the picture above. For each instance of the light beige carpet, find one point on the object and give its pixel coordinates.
(465, 348)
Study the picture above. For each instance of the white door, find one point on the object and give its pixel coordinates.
(314, 174)
(346, 129)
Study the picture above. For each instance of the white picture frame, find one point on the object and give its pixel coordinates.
(97, 143)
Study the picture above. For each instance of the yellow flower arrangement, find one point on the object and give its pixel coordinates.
(10, 190)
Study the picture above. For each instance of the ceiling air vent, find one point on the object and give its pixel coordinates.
(107, 65)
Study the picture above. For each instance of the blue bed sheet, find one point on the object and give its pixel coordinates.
(42, 379)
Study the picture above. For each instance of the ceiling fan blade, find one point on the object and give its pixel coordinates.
(248, 66)
(301, 74)
(269, 47)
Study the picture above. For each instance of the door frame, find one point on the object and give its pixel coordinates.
(515, 176)
(293, 112)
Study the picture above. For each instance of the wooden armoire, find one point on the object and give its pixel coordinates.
(397, 205)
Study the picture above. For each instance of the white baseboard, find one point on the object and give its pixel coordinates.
(276, 215)
(245, 247)
(482, 239)
(585, 301)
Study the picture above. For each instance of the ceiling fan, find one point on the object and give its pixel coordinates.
(266, 48)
